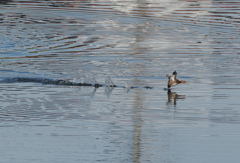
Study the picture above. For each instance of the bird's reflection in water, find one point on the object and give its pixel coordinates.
(173, 97)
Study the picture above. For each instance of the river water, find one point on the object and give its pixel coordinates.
(129, 43)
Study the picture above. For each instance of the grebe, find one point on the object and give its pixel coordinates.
(172, 80)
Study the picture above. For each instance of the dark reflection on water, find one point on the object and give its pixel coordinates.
(131, 44)
(173, 97)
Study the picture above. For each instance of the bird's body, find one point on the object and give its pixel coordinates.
(172, 80)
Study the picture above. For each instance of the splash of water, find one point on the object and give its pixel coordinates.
(126, 86)
(109, 82)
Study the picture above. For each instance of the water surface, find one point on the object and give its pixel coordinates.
(132, 43)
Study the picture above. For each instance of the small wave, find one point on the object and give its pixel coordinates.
(47, 81)
(108, 82)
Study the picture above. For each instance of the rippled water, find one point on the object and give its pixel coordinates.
(129, 43)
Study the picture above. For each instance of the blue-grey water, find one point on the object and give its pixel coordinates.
(129, 43)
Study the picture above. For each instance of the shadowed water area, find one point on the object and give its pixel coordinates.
(75, 79)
